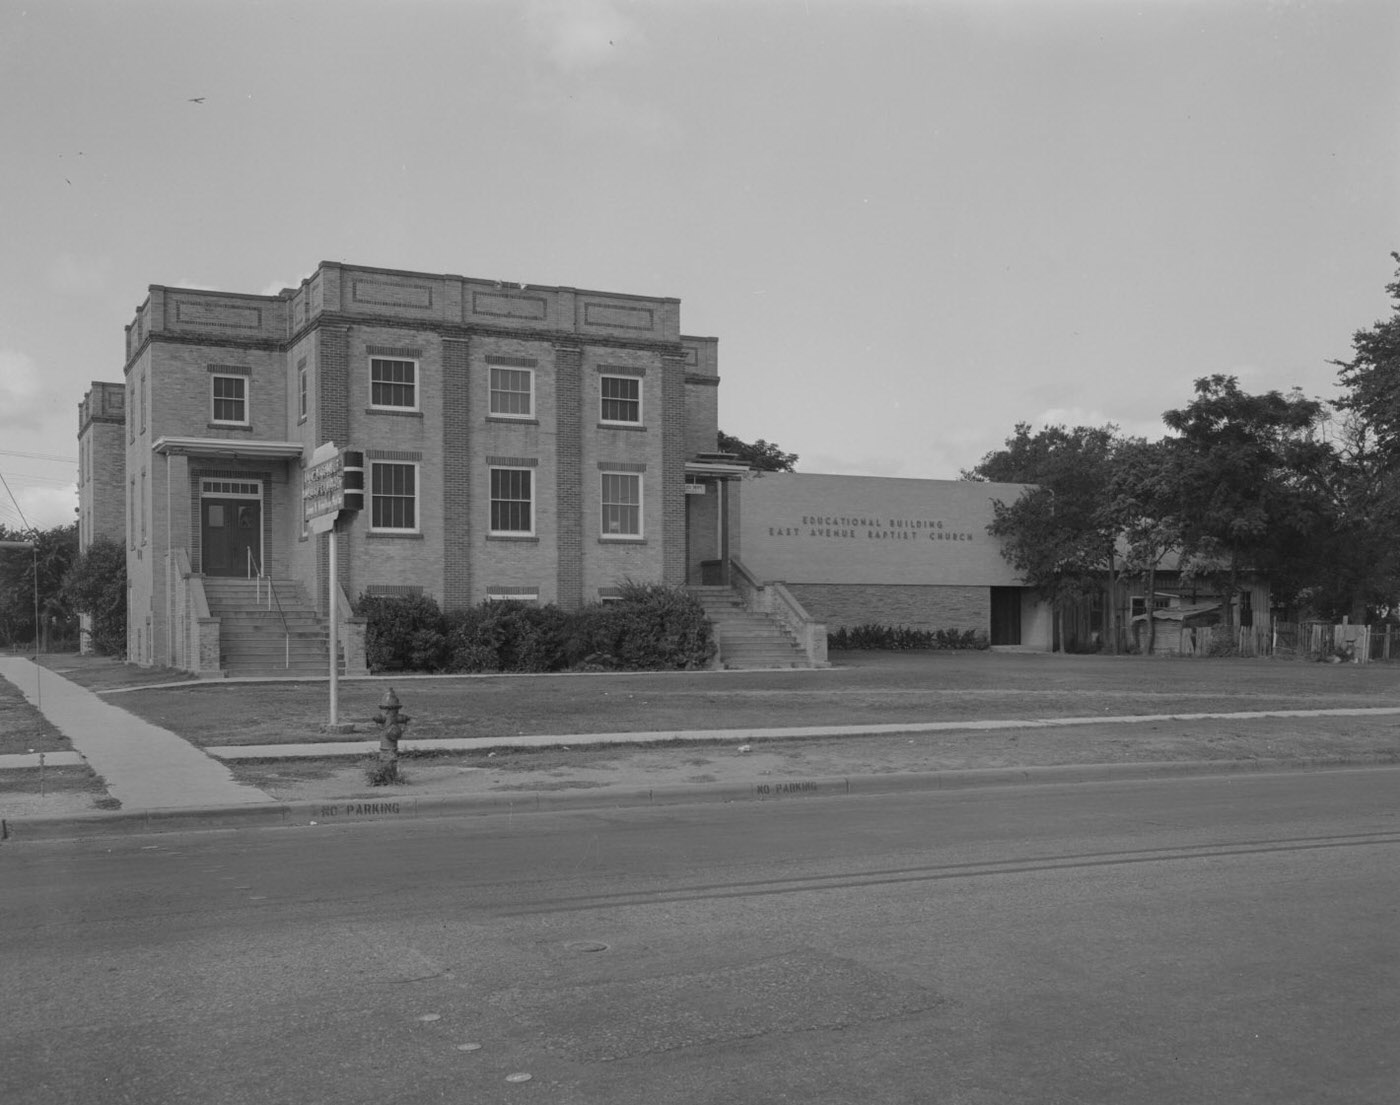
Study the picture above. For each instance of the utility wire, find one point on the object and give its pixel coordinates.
(18, 510)
(26, 477)
(39, 456)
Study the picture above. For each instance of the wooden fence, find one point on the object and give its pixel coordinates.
(1356, 644)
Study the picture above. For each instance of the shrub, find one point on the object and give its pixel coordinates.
(402, 633)
(659, 627)
(903, 638)
(651, 627)
(506, 636)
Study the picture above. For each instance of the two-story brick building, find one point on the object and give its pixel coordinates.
(519, 441)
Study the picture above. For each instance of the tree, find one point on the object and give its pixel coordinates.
(1241, 480)
(55, 552)
(1139, 506)
(1057, 534)
(96, 585)
(764, 456)
(1360, 571)
(1372, 378)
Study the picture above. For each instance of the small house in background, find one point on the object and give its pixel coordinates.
(1185, 613)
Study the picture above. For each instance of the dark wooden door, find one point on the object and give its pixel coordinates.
(229, 530)
(1006, 615)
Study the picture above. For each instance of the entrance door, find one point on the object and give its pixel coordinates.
(1006, 615)
(230, 529)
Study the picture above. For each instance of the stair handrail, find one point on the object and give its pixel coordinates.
(255, 573)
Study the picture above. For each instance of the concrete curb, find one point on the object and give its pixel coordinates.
(396, 808)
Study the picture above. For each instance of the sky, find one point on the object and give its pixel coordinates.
(910, 225)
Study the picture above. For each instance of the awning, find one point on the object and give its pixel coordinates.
(225, 447)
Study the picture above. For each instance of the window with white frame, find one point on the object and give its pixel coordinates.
(512, 501)
(301, 390)
(621, 505)
(512, 392)
(621, 399)
(230, 399)
(393, 383)
(394, 497)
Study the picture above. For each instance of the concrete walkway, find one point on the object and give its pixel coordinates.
(144, 766)
(322, 749)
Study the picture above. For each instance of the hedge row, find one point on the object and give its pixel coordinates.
(902, 637)
(650, 628)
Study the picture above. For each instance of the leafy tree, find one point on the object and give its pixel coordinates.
(764, 456)
(1240, 485)
(96, 585)
(1139, 506)
(1372, 378)
(56, 549)
(1359, 566)
(1057, 534)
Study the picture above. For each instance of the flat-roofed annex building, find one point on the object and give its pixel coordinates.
(519, 441)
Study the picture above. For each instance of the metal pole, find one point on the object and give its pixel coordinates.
(38, 688)
(335, 633)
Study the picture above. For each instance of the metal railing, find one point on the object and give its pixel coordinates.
(256, 574)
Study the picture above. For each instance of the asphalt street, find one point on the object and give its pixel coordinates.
(1226, 939)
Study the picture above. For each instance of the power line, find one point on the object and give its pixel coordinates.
(39, 456)
(22, 518)
(25, 477)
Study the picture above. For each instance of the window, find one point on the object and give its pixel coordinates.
(230, 399)
(301, 390)
(512, 501)
(394, 497)
(393, 383)
(622, 399)
(622, 505)
(130, 411)
(143, 402)
(512, 392)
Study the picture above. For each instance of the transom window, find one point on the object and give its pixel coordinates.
(512, 501)
(621, 399)
(230, 395)
(622, 505)
(230, 489)
(393, 383)
(394, 497)
(512, 392)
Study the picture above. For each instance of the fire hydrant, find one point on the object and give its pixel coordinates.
(393, 722)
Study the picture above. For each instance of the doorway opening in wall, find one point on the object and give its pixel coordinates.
(1006, 615)
(230, 527)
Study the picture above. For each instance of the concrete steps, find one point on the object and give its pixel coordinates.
(287, 639)
(747, 639)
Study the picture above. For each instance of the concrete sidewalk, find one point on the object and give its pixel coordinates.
(145, 767)
(322, 749)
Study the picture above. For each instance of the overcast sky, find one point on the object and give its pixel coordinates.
(910, 225)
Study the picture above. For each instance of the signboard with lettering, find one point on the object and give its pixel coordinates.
(332, 482)
(802, 528)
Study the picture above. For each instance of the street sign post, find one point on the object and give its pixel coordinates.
(333, 482)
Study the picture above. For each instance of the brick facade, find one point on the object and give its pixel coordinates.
(241, 389)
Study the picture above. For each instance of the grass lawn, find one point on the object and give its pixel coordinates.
(23, 728)
(859, 689)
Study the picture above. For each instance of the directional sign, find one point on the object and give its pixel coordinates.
(333, 482)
